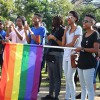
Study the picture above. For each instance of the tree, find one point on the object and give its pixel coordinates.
(55, 7)
(6, 8)
(48, 9)
(85, 9)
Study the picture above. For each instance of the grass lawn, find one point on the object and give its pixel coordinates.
(45, 83)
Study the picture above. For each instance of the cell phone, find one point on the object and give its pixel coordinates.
(25, 22)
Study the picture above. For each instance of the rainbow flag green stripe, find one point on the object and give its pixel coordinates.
(21, 72)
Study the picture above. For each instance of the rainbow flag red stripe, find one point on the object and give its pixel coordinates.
(21, 72)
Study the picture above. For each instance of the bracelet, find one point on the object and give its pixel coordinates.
(56, 39)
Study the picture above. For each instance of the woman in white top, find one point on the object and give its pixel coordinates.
(72, 38)
(17, 35)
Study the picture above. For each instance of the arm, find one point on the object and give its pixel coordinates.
(95, 48)
(55, 39)
(27, 38)
(16, 31)
(7, 32)
(35, 38)
(7, 26)
(99, 53)
(64, 37)
(73, 42)
(18, 34)
(31, 34)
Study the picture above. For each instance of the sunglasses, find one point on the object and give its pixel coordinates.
(69, 17)
(86, 21)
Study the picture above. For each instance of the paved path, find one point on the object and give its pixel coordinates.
(44, 91)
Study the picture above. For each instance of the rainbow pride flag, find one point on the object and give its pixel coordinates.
(21, 72)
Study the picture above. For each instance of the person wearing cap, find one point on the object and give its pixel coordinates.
(2, 37)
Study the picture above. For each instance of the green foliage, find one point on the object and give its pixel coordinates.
(47, 8)
(85, 9)
(6, 8)
(97, 14)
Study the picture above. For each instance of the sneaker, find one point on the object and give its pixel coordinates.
(78, 96)
(47, 79)
(56, 98)
(47, 97)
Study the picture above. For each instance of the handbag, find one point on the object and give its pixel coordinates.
(74, 60)
(74, 56)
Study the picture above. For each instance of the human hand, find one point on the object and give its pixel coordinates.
(78, 49)
(8, 23)
(13, 25)
(51, 37)
(26, 27)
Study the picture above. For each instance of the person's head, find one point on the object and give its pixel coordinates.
(37, 18)
(57, 21)
(1, 25)
(89, 21)
(72, 17)
(20, 21)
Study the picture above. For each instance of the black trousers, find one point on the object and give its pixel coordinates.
(55, 72)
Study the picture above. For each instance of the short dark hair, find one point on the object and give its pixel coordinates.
(23, 19)
(91, 16)
(39, 15)
(75, 14)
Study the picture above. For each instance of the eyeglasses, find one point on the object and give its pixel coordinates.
(86, 21)
(69, 17)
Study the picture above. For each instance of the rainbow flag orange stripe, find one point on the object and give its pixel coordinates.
(21, 72)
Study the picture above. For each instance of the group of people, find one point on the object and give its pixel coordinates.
(71, 36)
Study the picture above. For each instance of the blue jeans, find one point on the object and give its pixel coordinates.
(94, 80)
(69, 73)
(86, 82)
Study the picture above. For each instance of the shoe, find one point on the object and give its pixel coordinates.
(56, 98)
(47, 79)
(47, 97)
(78, 96)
